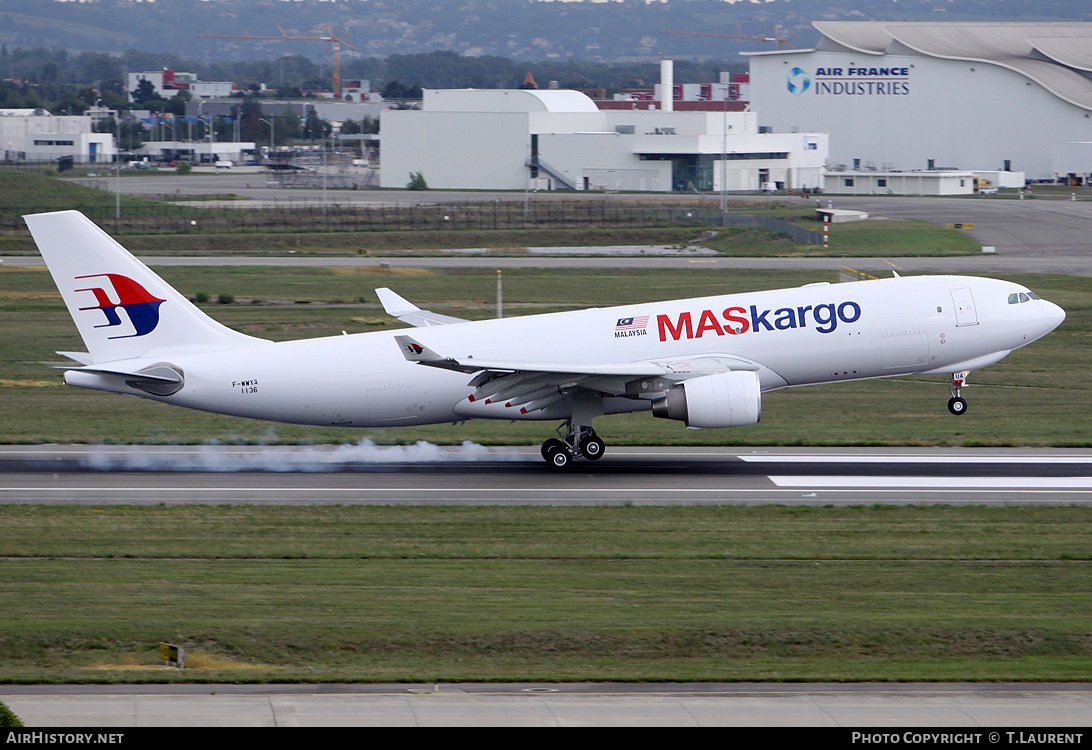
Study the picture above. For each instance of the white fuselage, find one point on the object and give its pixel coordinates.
(806, 335)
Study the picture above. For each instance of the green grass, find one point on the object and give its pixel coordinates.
(217, 231)
(1039, 395)
(539, 594)
(19, 188)
(862, 239)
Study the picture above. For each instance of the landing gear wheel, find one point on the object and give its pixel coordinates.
(592, 448)
(550, 445)
(559, 457)
(957, 405)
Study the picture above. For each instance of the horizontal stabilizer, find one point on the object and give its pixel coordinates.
(82, 357)
(160, 379)
(158, 374)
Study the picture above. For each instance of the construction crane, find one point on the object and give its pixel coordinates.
(782, 42)
(329, 37)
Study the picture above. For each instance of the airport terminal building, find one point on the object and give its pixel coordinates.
(516, 139)
(915, 96)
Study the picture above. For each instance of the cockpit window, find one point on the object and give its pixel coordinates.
(1017, 297)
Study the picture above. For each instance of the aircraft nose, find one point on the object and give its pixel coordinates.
(1052, 316)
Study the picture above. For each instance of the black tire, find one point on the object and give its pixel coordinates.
(957, 406)
(592, 448)
(559, 458)
(549, 445)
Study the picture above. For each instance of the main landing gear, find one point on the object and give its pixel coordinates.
(956, 404)
(579, 440)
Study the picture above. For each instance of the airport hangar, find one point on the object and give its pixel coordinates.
(913, 96)
(517, 139)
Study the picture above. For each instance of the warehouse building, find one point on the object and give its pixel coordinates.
(36, 135)
(1015, 97)
(515, 139)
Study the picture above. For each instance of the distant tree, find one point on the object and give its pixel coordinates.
(177, 103)
(71, 104)
(416, 182)
(251, 114)
(132, 134)
(314, 127)
(10, 98)
(289, 124)
(395, 90)
(144, 92)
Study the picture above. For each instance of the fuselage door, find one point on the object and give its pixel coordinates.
(965, 314)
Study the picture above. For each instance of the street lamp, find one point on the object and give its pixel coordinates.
(117, 168)
(271, 122)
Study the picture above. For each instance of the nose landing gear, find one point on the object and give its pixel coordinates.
(579, 440)
(956, 404)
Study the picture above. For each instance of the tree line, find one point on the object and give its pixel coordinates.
(67, 83)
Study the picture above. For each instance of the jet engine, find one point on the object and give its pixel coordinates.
(726, 399)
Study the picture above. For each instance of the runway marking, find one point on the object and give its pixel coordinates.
(993, 483)
(860, 459)
(1041, 485)
(765, 457)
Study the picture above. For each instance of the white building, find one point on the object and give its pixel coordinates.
(511, 139)
(920, 182)
(36, 135)
(980, 96)
(199, 152)
(169, 83)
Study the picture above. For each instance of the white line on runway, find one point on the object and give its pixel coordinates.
(992, 483)
(928, 484)
(856, 458)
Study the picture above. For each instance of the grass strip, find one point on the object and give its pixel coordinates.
(415, 594)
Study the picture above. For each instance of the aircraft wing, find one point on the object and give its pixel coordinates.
(536, 385)
(401, 308)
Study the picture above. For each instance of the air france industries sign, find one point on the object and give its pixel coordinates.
(850, 81)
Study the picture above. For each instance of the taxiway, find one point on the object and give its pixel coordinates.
(985, 708)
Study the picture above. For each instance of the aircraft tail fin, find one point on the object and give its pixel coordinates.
(122, 309)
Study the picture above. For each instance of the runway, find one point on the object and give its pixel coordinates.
(478, 475)
(424, 474)
(985, 708)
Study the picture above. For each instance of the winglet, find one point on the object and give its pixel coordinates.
(398, 307)
(395, 304)
(416, 352)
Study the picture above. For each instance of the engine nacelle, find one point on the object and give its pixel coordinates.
(727, 399)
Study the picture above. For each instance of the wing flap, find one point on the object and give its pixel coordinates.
(531, 386)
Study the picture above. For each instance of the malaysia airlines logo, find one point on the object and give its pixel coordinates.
(141, 308)
(631, 327)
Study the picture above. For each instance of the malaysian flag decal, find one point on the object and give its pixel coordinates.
(631, 326)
